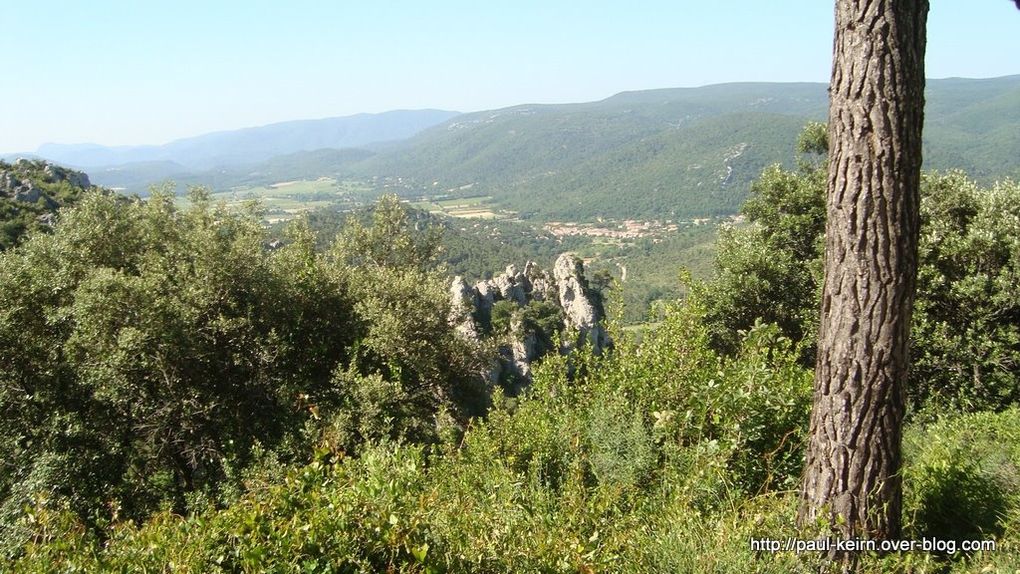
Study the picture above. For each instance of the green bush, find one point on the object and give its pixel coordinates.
(752, 406)
(177, 396)
(146, 354)
(575, 475)
(965, 346)
(962, 476)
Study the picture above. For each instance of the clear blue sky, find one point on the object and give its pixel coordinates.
(149, 71)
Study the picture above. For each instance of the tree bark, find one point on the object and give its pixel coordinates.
(851, 476)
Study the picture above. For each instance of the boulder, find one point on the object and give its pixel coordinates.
(27, 193)
(508, 287)
(54, 173)
(8, 183)
(78, 179)
(487, 294)
(523, 351)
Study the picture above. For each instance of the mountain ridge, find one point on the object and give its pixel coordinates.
(252, 144)
(671, 151)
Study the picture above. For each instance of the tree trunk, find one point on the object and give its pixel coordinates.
(851, 476)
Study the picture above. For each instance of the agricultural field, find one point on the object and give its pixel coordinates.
(462, 207)
(287, 199)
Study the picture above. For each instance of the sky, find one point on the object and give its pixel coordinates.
(129, 72)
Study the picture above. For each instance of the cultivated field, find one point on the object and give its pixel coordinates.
(462, 207)
(287, 199)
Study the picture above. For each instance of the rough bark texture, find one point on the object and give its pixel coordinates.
(851, 476)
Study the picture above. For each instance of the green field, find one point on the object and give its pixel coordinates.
(286, 199)
(462, 207)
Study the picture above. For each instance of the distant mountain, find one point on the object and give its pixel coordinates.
(665, 152)
(251, 145)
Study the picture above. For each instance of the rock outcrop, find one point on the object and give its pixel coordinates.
(524, 349)
(31, 192)
(579, 307)
(22, 190)
(583, 315)
(56, 174)
(17, 180)
(464, 301)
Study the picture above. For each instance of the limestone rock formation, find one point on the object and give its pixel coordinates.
(524, 349)
(464, 300)
(31, 192)
(471, 313)
(56, 174)
(16, 179)
(18, 187)
(542, 287)
(583, 314)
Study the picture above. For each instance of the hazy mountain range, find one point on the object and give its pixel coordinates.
(250, 145)
(681, 152)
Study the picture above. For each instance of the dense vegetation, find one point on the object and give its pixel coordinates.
(479, 249)
(179, 393)
(147, 355)
(966, 328)
(655, 269)
(474, 249)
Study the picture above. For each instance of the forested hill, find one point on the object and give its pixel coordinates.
(974, 125)
(687, 151)
(683, 151)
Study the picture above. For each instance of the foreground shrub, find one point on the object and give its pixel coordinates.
(962, 476)
(147, 352)
(540, 487)
(965, 348)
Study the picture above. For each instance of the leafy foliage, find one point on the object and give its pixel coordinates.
(771, 270)
(965, 334)
(962, 476)
(179, 392)
(573, 476)
(966, 328)
(605, 472)
(387, 243)
(146, 353)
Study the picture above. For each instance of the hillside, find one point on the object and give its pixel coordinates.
(974, 125)
(685, 152)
